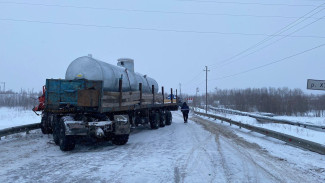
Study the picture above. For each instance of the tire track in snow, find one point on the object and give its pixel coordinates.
(223, 161)
(264, 164)
(194, 155)
(177, 153)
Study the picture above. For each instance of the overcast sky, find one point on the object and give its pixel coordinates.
(171, 41)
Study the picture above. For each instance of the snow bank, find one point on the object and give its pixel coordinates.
(320, 121)
(296, 131)
(10, 117)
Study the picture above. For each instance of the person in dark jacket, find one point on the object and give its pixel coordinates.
(185, 110)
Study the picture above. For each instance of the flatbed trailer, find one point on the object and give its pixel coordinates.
(77, 108)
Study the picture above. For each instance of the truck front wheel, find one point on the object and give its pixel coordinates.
(66, 142)
(45, 124)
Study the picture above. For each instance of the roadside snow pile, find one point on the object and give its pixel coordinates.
(300, 132)
(311, 121)
(320, 121)
(10, 117)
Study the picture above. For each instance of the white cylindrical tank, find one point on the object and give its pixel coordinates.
(89, 68)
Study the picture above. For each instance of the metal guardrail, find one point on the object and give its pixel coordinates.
(264, 118)
(19, 129)
(312, 146)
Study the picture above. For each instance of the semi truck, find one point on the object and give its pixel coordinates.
(102, 101)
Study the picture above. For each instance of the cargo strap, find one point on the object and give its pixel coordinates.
(145, 76)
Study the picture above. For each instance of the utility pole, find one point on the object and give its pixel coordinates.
(206, 89)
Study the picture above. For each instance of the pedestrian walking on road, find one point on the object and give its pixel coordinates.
(185, 110)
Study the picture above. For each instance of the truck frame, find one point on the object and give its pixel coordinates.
(73, 109)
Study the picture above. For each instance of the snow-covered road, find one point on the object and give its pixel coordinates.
(199, 151)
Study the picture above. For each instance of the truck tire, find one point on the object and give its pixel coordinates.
(56, 129)
(169, 118)
(43, 128)
(66, 142)
(154, 121)
(120, 139)
(56, 134)
(137, 121)
(44, 124)
(162, 120)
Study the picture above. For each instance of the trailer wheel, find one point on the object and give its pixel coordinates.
(66, 142)
(154, 121)
(169, 118)
(120, 139)
(162, 119)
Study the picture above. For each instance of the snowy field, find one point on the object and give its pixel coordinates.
(10, 117)
(319, 121)
(200, 151)
(304, 133)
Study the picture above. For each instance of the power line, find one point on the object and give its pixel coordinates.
(271, 63)
(150, 11)
(154, 29)
(282, 30)
(255, 68)
(287, 27)
(248, 3)
(268, 44)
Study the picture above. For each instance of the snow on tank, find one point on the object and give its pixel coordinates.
(89, 68)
